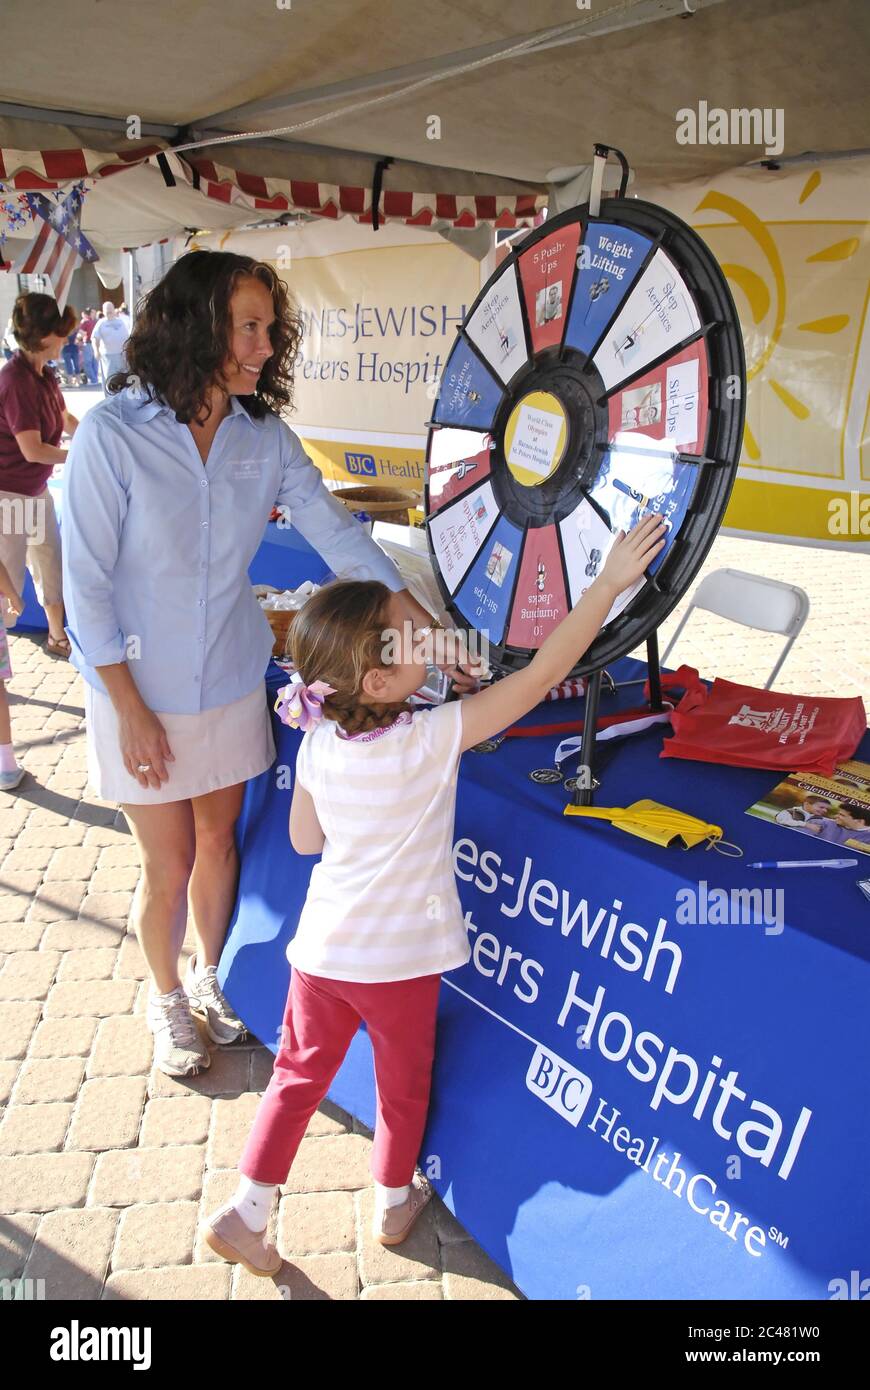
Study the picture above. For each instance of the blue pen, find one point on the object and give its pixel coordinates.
(803, 864)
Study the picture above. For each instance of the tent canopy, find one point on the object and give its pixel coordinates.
(475, 107)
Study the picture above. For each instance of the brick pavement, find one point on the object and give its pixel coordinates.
(105, 1164)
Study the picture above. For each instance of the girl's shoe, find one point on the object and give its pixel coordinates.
(208, 1002)
(396, 1222)
(228, 1236)
(178, 1048)
(10, 780)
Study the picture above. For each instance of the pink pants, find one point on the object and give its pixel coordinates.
(320, 1021)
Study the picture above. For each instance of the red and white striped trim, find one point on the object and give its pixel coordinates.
(338, 200)
(568, 690)
(28, 171)
(32, 171)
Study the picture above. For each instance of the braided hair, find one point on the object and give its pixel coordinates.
(337, 637)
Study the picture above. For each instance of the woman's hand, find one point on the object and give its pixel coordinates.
(630, 555)
(14, 602)
(144, 746)
(452, 657)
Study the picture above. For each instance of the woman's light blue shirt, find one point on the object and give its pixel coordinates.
(156, 546)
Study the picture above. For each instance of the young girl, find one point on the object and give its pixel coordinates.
(375, 793)
(10, 773)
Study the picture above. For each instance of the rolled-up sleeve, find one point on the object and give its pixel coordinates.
(321, 519)
(94, 507)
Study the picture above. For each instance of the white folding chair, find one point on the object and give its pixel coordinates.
(770, 605)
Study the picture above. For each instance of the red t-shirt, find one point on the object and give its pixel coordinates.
(87, 326)
(28, 401)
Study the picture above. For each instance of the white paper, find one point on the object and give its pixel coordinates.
(586, 541)
(681, 406)
(658, 314)
(496, 327)
(459, 531)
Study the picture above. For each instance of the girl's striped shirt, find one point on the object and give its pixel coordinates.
(382, 903)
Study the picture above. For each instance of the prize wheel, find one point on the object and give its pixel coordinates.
(598, 375)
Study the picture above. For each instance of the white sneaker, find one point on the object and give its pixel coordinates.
(178, 1048)
(10, 780)
(208, 1002)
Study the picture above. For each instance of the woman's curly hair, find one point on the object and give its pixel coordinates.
(181, 338)
(336, 637)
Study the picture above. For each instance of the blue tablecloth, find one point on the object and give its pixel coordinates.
(546, 1141)
(33, 617)
(285, 559)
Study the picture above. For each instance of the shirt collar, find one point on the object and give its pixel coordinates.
(136, 405)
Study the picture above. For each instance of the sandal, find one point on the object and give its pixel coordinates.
(59, 647)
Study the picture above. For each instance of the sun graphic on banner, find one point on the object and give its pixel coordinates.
(767, 312)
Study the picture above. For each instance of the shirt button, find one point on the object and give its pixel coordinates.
(204, 482)
(202, 603)
(205, 523)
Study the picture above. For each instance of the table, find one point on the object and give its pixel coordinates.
(590, 1164)
(285, 559)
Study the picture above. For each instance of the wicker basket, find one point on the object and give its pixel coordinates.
(381, 503)
(280, 621)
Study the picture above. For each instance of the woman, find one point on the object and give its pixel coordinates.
(168, 489)
(33, 418)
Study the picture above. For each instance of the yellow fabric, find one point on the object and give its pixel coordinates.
(650, 820)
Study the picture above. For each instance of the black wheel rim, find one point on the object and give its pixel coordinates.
(563, 414)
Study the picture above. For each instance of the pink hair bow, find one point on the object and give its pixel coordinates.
(301, 705)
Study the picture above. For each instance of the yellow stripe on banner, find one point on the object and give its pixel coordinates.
(381, 464)
(806, 513)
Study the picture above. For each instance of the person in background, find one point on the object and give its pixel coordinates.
(109, 339)
(71, 356)
(10, 773)
(33, 420)
(89, 360)
(9, 344)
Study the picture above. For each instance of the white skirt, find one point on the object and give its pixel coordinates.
(215, 748)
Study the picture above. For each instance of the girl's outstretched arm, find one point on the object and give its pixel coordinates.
(508, 700)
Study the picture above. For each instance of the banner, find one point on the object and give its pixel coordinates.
(381, 311)
(795, 245)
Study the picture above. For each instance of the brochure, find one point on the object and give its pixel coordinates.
(831, 810)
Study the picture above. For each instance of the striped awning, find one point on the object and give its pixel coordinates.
(33, 171)
(40, 170)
